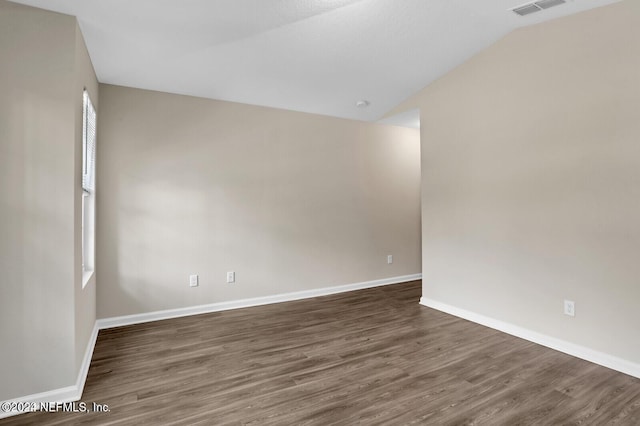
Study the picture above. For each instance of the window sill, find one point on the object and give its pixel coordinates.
(86, 277)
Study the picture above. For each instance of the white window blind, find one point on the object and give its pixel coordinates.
(88, 145)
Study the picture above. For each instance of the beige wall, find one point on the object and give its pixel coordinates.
(42, 68)
(531, 180)
(36, 175)
(289, 201)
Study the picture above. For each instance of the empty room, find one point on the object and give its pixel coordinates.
(327, 212)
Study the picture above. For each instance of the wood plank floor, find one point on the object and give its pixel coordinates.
(365, 357)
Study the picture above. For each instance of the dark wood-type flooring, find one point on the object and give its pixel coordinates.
(366, 357)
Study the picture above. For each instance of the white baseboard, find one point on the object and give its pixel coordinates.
(86, 360)
(601, 358)
(66, 394)
(245, 303)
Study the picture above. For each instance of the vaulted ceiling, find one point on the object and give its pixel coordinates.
(318, 56)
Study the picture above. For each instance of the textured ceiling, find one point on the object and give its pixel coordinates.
(317, 56)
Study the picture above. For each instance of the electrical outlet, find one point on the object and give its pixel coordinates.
(193, 281)
(390, 259)
(231, 277)
(570, 308)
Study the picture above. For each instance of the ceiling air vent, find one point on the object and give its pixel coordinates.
(546, 4)
(536, 6)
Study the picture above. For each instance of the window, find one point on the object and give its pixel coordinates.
(88, 187)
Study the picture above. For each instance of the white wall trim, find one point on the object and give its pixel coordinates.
(601, 358)
(86, 360)
(66, 394)
(245, 303)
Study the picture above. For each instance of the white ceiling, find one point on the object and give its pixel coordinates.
(318, 56)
